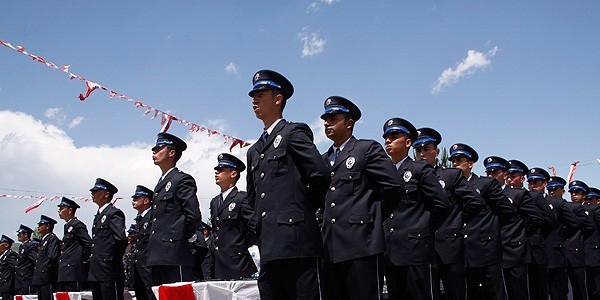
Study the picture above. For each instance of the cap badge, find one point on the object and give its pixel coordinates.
(443, 184)
(277, 141)
(390, 122)
(103, 219)
(350, 162)
(532, 170)
(70, 229)
(220, 156)
(489, 159)
(256, 76)
(407, 176)
(168, 186)
(419, 132)
(328, 102)
(231, 206)
(454, 147)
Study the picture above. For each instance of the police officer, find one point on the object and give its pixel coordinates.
(592, 245)
(208, 263)
(361, 176)
(25, 261)
(142, 274)
(45, 276)
(176, 215)
(107, 275)
(286, 183)
(414, 221)
(514, 232)
(73, 265)
(537, 179)
(483, 246)
(574, 242)
(129, 258)
(231, 216)
(466, 204)
(8, 264)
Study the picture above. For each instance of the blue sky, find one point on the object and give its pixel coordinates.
(517, 79)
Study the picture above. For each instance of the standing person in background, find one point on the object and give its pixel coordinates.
(286, 183)
(142, 274)
(483, 244)
(25, 261)
(414, 221)
(45, 276)
(449, 240)
(592, 245)
(107, 274)
(176, 215)
(8, 264)
(231, 216)
(129, 257)
(362, 177)
(208, 263)
(73, 265)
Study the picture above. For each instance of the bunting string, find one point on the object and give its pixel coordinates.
(166, 118)
(41, 199)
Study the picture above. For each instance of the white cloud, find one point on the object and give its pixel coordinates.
(40, 159)
(231, 68)
(55, 114)
(75, 122)
(472, 63)
(312, 43)
(316, 5)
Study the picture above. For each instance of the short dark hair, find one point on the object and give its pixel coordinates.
(178, 153)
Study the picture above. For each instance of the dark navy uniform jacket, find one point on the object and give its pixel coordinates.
(539, 238)
(8, 263)
(46, 265)
(466, 204)
(514, 232)
(76, 249)
(574, 245)
(361, 177)
(176, 216)
(140, 252)
(483, 245)
(232, 235)
(108, 245)
(410, 228)
(286, 184)
(592, 238)
(568, 222)
(25, 264)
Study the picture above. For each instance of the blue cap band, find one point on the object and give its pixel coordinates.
(335, 109)
(593, 194)
(554, 184)
(100, 186)
(396, 128)
(225, 163)
(516, 169)
(535, 176)
(576, 188)
(266, 82)
(495, 165)
(461, 152)
(425, 140)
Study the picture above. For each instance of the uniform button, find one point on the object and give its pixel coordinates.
(59, 260)
(332, 173)
(391, 216)
(217, 218)
(262, 175)
(333, 188)
(332, 221)
(466, 236)
(154, 206)
(361, 222)
(154, 220)
(92, 245)
(418, 235)
(216, 238)
(391, 229)
(152, 231)
(136, 260)
(170, 240)
(262, 155)
(264, 213)
(228, 217)
(262, 195)
(217, 228)
(290, 221)
(91, 255)
(350, 177)
(93, 235)
(332, 205)
(455, 235)
(136, 250)
(216, 248)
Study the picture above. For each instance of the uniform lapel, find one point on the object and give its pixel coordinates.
(278, 127)
(165, 180)
(227, 200)
(346, 152)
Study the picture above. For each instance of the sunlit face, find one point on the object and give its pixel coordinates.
(428, 153)
(131, 238)
(162, 154)
(516, 179)
(463, 163)
(499, 175)
(397, 144)
(22, 237)
(338, 127)
(225, 176)
(99, 196)
(43, 228)
(557, 191)
(140, 203)
(266, 103)
(537, 185)
(577, 196)
(65, 212)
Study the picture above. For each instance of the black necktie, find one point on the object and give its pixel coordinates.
(336, 153)
(220, 200)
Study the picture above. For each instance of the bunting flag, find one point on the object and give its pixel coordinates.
(572, 171)
(166, 118)
(176, 292)
(551, 168)
(41, 199)
(34, 206)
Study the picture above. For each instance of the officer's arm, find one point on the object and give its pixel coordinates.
(568, 218)
(384, 176)
(54, 249)
(85, 241)
(499, 201)
(186, 195)
(472, 202)
(32, 252)
(529, 212)
(433, 193)
(117, 227)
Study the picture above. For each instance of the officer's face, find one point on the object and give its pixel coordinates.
(140, 203)
(3, 247)
(516, 179)
(131, 238)
(43, 228)
(266, 104)
(338, 127)
(163, 154)
(22, 237)
(462, 163)
(556, 191)
(225, 176)
(65, 212)
(577, 196)
(397, 144)
(498, 175)
(100, 197)
(427, 153)
(537, 185)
